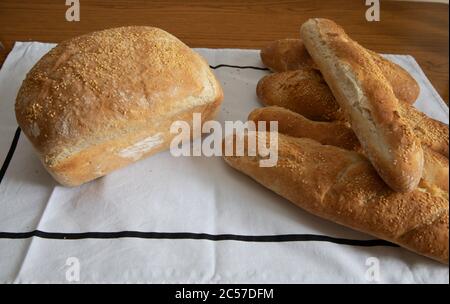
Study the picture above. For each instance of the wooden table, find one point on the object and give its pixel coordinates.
(419, 29)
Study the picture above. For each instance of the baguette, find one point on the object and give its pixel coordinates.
(334, 133)
(405, 87)
(339, 134)
(291, 54)
(303, 91)
(286, 55)
(369, 101)
(280, 89)
(435, 170)
(432, 133)
(101, 101)
(343, 187)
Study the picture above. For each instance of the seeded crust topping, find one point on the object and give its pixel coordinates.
(103, 81)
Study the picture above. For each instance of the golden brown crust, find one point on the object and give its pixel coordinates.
(405, 87)
(368, 99)
(435, 173)
(436, 230)
(286, 55)
(290, 54)
(279, 89)
(303, 91)
(435, 170)
(107, 87)
(432, 133)
(98, 160)
(343, 187)
(335, 133)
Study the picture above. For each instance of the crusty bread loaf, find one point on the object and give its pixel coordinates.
(334, 133)
(339, 134)
(368, 100)
(435, 170)
(303, 91)
(342, 186)
(405, 87)
(280, 89)
(291, 54)
(100, 101)
(432, 133)
(286, 55)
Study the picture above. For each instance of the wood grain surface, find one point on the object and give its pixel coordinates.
(418, 29)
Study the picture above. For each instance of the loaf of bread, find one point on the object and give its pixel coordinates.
(291, 54)
(101, 101)
(435, 170)
(286, 55)
(343, 187)
(335, 133)
(432, 133)
(339, 134)
(405, 87)
(303, 91)
(368, 100)
(286, 90)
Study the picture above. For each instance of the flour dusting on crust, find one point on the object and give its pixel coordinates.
(141, 147)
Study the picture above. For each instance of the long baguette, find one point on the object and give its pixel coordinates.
(286, 55)
(303, 91)
(404, 85)
(343, 187)
(369, 101)
(335, 133)
(435, 170)
(291, 54)
(287, 89)
(339, 134)
(432, 133)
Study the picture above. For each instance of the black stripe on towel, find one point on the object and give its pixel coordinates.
(244, 67)
(193, 236)
(10, 154)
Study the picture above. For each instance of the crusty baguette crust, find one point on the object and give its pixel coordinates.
(369, 101)
(339, 134)
(405, 87)
(286, 55)
(281, 89)
(101, 93)
(435, 170)
(335, 133)
(432, 133)
(343, 187)
(290, 54)
(303, 91)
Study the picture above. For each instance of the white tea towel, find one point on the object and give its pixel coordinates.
(185, 219)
